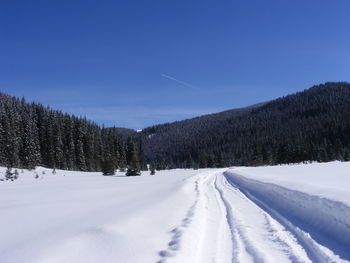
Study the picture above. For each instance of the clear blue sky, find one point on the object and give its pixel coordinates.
(135, 63)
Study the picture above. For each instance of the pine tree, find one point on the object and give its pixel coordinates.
(143, 164)
(134, 167)
(130, 151)
(189, 161)
(211, 162)
(108, 165)
(30, 153)
(202, 160)
(152, 169)
(59, 160)
(122, 162)
(346, 155)
(80, 155)
(69, 144)
(11, 139)
(219, 162)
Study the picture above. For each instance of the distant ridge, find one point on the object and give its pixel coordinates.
(312, 125)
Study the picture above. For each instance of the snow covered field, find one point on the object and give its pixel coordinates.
(297, 213)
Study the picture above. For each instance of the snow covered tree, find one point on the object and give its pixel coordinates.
(30, 151)
(80, 148)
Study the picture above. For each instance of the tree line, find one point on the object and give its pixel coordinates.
(313, 125)
(32, 135)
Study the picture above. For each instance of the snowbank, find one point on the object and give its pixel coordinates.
(314, 197)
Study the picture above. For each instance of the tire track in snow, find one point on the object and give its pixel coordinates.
(315, 251)
(215, 239)
(203, 234)
(224, 225)
(237, 232)
(264, 238)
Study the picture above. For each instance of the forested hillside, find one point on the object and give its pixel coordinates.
(31, 135)
(313, 125)
(309, 125)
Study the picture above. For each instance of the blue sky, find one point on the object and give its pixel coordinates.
(134, 63)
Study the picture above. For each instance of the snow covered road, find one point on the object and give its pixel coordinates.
(230, 224)
(226, 226)
(176, 216)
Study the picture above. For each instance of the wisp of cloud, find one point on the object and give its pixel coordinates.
(179, 81)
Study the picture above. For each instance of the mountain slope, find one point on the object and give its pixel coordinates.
(309, 125)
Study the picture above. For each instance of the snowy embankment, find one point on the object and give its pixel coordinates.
(312, 199)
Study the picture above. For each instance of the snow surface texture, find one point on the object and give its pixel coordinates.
(180, 216)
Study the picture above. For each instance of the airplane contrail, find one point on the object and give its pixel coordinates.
(179, 81)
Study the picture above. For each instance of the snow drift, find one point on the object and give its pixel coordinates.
(307, 206)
